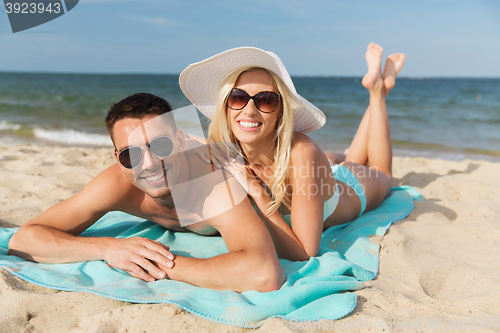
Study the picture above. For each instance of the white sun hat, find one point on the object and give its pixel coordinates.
(201, 82)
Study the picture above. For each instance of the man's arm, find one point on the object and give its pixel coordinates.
(251, 263)
(52, 237)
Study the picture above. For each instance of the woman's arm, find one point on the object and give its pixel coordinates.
(287, 245)
(251, 261)
(311, 187)
(309, 172)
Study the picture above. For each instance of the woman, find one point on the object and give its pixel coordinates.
(251, 101)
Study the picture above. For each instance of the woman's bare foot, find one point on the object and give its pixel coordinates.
(373, 80)
(393, 65)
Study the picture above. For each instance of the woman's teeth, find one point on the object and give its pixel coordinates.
(248, 124)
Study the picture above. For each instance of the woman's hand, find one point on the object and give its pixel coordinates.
(207, 151)
(212, 153)
(251, 183)
(256, 187)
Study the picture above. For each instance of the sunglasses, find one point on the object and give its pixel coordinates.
(131, 157)
(265, 101)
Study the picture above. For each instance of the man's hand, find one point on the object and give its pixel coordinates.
(140, 257)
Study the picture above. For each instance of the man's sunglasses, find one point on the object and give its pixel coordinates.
(265, 101)
(131, 157)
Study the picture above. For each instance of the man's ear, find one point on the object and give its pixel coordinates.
(180, 138)
(116, 157)
(117, 161)
(115, 152)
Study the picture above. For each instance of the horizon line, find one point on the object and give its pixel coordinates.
(297, 76)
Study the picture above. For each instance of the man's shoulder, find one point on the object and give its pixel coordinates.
(226, 195)
(113, 176)
(112, 187)
(113, 172)
(196, 165)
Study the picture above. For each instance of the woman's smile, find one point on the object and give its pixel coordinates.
(249, 125)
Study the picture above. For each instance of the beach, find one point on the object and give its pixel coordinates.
(438, 270)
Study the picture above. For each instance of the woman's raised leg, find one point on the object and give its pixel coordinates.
(358, 151)
(372, 143)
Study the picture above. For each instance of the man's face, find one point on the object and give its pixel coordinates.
(149, 139)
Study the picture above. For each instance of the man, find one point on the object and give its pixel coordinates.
(142, 184)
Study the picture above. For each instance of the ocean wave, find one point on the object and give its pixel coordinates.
(72, 137)
(6, 126)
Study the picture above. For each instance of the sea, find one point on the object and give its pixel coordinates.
(449, 118)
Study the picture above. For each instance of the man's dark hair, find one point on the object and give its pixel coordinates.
(136, 106)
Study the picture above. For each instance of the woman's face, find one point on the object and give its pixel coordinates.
(249, 125)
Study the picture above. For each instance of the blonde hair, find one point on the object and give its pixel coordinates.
(220, 132)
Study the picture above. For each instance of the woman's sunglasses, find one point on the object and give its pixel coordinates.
(265, 101)
(131, 157)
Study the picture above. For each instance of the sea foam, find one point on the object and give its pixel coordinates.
(6, 126)
(72, 137)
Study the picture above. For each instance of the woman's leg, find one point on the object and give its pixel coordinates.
(372, 143)
(358, 151)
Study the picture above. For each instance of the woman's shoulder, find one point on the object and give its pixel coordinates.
(300, 140)
(304, 148)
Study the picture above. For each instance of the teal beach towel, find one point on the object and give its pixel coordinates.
(314, 289)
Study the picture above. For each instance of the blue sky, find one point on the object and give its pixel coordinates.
(442, 38)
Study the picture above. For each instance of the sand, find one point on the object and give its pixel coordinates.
(439, 267)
